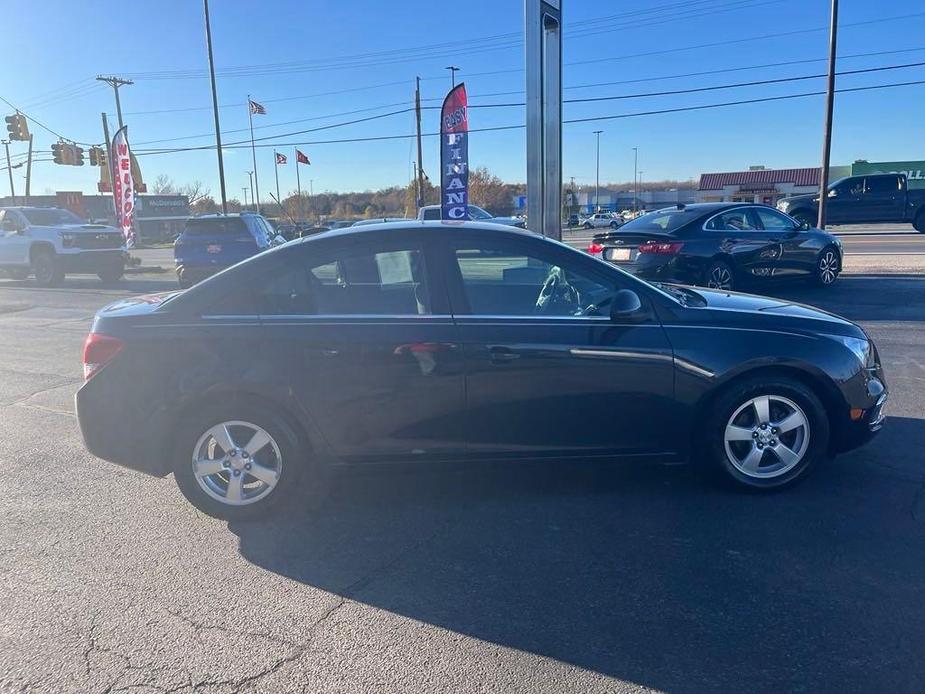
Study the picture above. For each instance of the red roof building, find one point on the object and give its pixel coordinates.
(757, 185)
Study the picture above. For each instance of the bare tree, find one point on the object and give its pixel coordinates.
(195, 192)
(163, 185)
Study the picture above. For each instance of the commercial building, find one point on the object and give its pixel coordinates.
(767, 186)
(157, 217)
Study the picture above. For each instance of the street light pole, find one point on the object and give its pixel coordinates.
(453, 69)
(245, 196)
(635, 177)
(218, 131)
(597, 178)
(829, 107)
(250, 176)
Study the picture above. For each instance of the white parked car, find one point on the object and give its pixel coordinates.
(49, 242)
(599, 220)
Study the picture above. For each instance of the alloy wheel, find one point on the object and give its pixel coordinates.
(237, 463)
(720, 278)
(767, 436)
(828, 267)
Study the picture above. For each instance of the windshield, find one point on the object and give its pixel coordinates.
(664, 221)
(51, 217)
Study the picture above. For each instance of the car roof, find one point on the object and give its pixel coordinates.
(415, 224)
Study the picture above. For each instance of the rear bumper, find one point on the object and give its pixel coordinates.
(112, 431)
(661, 269)
(197, 273)
(92, 261)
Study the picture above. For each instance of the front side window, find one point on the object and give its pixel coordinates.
(740, 219)
(508, 281)
(357, 282)
(49, 217)
(772, 219)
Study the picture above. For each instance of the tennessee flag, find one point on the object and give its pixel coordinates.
(301, 158)
(280, 158)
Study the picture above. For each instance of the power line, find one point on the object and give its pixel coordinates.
(589, 119)
(42, 125)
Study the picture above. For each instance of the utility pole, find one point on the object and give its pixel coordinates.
(639, 183)
(276, 171)
(245, 196)
(419, 175)
(115, 83)
(597, 178)
(829, 108)
(635, 177)
(9, 168)
(453, 70)
(250, 176)
(218, 131)
(29, 170)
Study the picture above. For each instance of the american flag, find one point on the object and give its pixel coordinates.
(257, 108)
(301, 158)
(280, 158)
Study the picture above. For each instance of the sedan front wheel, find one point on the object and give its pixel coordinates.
(767, 434)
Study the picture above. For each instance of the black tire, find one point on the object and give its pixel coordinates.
(614, 225)
(47, 268)
(714, 447)
(111, 275)
(827, 267)
(919, 223)
(719, 275)
(586, 225)
(294, 461)
(804, 217)
(184, 281)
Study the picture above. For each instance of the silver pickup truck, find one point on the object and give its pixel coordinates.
(50, 242)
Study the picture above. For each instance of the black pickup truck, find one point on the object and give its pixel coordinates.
(862, 200)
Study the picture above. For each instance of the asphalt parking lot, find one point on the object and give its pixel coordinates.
(532, 578)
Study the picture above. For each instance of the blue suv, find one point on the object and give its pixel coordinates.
(210, 243)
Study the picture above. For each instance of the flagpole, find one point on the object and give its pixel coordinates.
(250, 119)
(298, 187)
(276, 171)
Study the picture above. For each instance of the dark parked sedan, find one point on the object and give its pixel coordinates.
(721, 245)
(432, 343)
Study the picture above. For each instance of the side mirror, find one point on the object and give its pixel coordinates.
(833, 193)
(278, 240)
(804, 226)
(625, 304)
(8, 225)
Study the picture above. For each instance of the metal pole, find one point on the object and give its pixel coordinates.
(218, 131)
(250, 120)
(635, 177)
(9, 168)
(597, 184)
(298, 187)
(245, 196)
(453, 69)
(276, 171)
(29, 170)
(108, 157)
(250, 176)
(829, 108)
(420, 170)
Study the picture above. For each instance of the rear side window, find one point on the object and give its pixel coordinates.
(392, 282)
(227, 226)
(432, 214)
(882, 184)
(740, 219)
(664, 221)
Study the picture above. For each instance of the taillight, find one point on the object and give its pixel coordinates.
(660, 248)
(595, 248)
(99, 350)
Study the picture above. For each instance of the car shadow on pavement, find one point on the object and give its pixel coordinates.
(857, 297)
(647, 574)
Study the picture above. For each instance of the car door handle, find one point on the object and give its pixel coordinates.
(502, 354)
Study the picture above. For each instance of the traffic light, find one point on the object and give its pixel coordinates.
(77, 157)
(17, 127)
(97, 156)
(59, 153)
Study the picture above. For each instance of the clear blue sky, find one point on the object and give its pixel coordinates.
(291, 54)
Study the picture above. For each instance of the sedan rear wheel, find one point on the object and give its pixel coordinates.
(827, 267)
(720, 275)
(238, 462)
(766, 435)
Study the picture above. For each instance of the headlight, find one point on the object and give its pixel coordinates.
(67, 238)
(859, 347)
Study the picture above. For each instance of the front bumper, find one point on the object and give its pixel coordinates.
(92, 261)
(858, 431)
